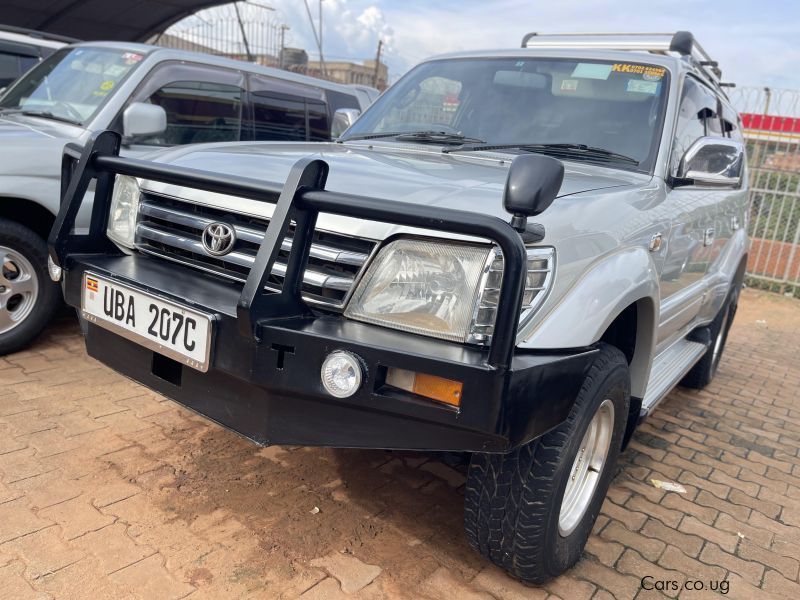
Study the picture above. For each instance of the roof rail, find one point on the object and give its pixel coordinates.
(682, 43)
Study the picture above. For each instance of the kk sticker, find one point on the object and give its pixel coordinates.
(648, 72)
(107, 85)
(569, 85)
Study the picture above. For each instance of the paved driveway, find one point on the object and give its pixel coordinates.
(109, 491)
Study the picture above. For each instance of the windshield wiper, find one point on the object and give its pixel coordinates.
(434, 137)
(564, 149)
(46, 114)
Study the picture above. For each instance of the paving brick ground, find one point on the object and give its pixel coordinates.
(109, 491)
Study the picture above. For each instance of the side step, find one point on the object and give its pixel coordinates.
(668, 369)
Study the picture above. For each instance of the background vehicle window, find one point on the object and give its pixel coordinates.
(319, 129)
(278, 118)
(698, 116)
(197, 112)
(72, 83)
(434, 102)
(288, 111)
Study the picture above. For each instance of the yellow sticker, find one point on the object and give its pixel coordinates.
(106, 85)
(650, 72)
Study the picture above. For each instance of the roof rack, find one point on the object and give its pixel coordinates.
(680, 42)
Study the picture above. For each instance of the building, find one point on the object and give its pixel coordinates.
(349, 72)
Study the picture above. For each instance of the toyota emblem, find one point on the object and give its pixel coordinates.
(218, 238)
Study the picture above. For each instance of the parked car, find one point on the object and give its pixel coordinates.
(153, 97)
(478, 266)
(21, 49)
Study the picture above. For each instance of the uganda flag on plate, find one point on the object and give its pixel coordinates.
(92, 285)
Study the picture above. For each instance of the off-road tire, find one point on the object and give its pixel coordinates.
(34, 249)
(703, 372)
(513, 500)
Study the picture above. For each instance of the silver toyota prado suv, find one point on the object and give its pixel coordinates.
(514, 254)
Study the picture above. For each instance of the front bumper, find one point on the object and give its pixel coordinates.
(247, 389)
(263, 379)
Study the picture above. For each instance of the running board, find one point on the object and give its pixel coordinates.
(668, 369)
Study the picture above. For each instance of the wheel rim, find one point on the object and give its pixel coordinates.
(587, 468)
(720, 340)
(19, 289)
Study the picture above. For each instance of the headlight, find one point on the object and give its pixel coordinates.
(538, 279)
(422, 287)
(448, 291)
(123, 211)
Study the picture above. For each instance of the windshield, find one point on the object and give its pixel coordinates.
(609, 105)
(72, 83)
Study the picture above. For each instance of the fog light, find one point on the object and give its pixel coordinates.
(341, 374)
(54, 270)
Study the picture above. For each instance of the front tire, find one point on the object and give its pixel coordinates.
(28, 298)
(530, 511)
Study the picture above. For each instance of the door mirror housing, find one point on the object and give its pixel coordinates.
(343, 118)
(712, 161)
(534, 181)
(141, 119)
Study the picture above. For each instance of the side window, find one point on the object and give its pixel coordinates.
(698, 116)
(287, 111)
(731, 123)
(198, 111)
(278, 118)
(319, 129)
(10, 68)
(203, 104)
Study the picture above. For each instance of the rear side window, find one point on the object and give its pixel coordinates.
(279, 118)
(698, 116)
(287, 111)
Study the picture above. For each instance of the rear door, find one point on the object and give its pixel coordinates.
(694, 222)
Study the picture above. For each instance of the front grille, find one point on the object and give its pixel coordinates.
(172, 229)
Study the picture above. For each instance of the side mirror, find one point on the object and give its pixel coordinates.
(712, 161)
(343, 118)
(534, 181)
(141, 119)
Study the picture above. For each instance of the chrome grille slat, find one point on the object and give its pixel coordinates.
(172, 229)
(251, 235)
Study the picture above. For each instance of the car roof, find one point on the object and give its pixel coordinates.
(219, 61)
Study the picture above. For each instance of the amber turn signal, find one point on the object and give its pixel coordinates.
(422, 384)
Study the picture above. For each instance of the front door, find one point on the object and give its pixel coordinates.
(690, 241)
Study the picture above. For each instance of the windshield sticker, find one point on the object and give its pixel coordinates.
(592, 71)
(116, 70)
(131, 58)
(107, 85)
(640, 86)
(648, 71)
(569, 85)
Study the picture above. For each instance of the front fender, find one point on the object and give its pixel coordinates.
(583, 312)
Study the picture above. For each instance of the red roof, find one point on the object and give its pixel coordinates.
(770, 123)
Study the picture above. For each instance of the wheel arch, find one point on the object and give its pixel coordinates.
(29, 213)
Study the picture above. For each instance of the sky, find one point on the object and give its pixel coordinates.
(756, 43)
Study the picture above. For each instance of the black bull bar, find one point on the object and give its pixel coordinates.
(300, 199)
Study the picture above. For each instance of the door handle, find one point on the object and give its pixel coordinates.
(708, 237)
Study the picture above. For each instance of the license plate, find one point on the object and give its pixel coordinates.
(176, 331)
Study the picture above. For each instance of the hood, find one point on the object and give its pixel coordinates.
(403, 172)
(32, 146)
